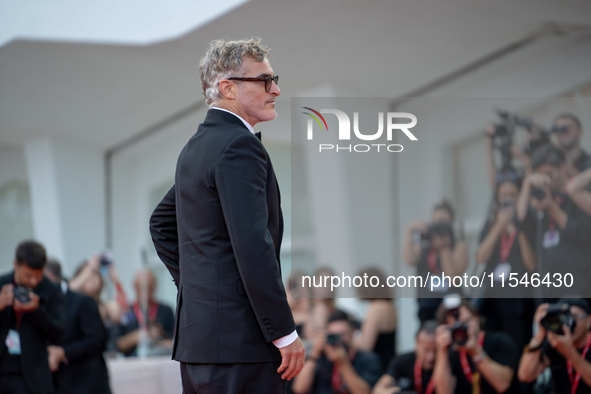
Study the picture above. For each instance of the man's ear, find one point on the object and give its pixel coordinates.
(227, 89)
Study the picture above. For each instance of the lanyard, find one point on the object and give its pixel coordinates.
(337, 380)
(574, 381)
(419, 380)
(19, 317)
(139, 314)
(432, 261)
(473, 379)
(506, 245)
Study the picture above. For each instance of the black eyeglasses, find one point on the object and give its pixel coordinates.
(268, 80)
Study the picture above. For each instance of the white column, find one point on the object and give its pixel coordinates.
(68, 199)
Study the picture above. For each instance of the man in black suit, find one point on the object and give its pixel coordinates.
(77, 361)
(219, 231)
(31, 314)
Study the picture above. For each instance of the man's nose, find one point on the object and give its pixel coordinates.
(275, 89)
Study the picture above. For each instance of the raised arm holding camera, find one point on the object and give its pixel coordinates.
(434, 250)
(470, 360)
(565, 230)
(562, 343)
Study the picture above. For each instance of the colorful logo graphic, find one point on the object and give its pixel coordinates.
(315, 118)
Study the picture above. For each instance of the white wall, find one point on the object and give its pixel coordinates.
(15, 204)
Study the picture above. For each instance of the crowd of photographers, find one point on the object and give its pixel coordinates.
(522, 339)
(56, 333)
(518, 339)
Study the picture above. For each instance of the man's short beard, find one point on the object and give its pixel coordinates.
(569, 146)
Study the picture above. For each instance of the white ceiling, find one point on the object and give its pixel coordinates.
(101, 95)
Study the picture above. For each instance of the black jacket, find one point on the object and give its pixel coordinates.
(219, 231)
(84, 341)
(37, 328)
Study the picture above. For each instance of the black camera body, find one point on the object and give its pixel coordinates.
(537, 193)
(333, 339)
(557, 316)
(459, 333)
(22, 294)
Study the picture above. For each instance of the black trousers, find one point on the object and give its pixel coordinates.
(258, 378)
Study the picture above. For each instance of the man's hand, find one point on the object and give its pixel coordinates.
(505, 216)
(419, 225)
(292, 359)
(562, 343)
(443, 338)
(336, 353)
(538, 316)
(538, 180)
(6, 296)
(441, 241)
(319, 342)
(56, 355)
(156, 332)
(27, 307)
(472, 347)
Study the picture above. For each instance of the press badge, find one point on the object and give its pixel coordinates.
(551, 239)
(501, 272)
(13, 342)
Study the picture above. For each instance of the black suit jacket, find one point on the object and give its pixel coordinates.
(37, 328)
(83, 341)
(219, 231)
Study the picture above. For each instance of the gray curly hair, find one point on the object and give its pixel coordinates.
(223, 58)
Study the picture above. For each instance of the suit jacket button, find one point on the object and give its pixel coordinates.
(271, 332)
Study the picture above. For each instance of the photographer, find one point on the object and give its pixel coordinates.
(564, 233)
(31, 314)
(77, 360)
(567, 133)
(412, 371)
(335, 365)
(562, 343)
(505, 250)
(470, 360)
(148, 321)
(433, 249)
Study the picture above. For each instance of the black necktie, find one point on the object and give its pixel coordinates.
(259, 136)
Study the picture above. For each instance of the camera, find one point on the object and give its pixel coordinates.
(556, 316)
(506, 204)
(106, 259)
(459, 333)
(537, 193)
(441, 229)
(333, 339)
(22, 294)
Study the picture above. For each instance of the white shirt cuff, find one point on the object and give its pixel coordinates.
(286, 340)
